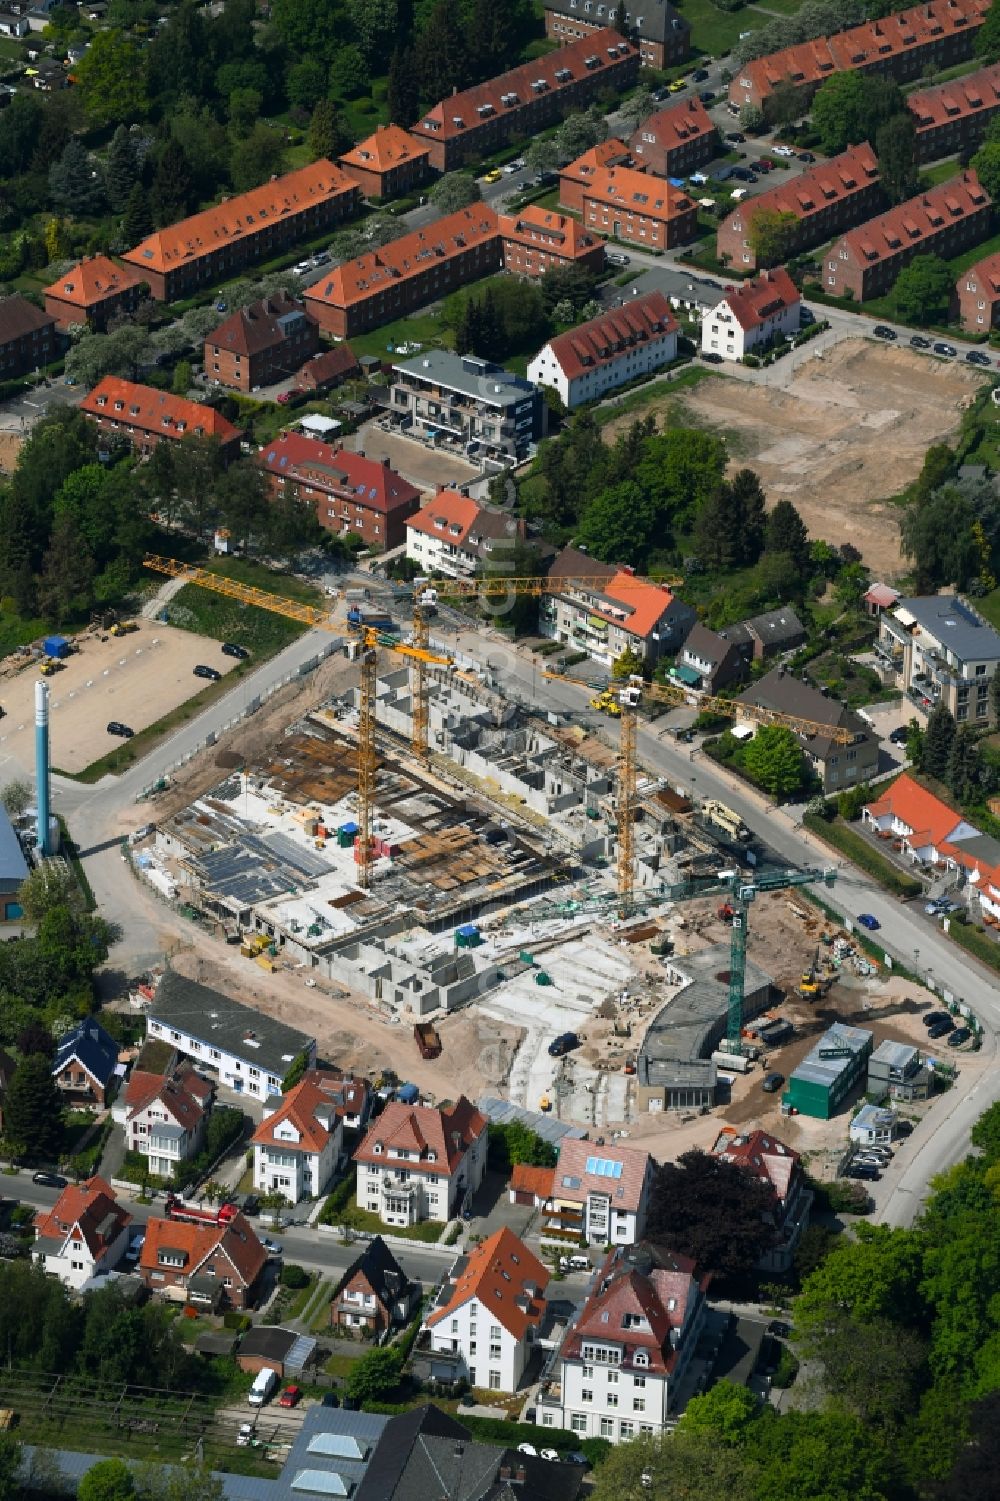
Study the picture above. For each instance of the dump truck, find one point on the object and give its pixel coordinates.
(371, 619)
(425, 1035)
(725, 819)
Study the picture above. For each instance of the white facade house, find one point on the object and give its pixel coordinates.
(420, 1163)
(454, 536)
(599, 1194)
(609, 351)
(164, 1116)
(753, 316)
(297, 1145)
(612, 612)
(83, 1234)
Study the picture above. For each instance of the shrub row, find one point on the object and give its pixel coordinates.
(861, 854)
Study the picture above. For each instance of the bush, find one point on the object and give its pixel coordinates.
(294, 1276)
(788, 1369)
(233, 1319)
(860, 853)
(339, 1201)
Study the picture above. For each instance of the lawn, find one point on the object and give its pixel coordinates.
(714, 31)
(363, 1219)
(863, 854)
(264, 633)
(941, 172)
(656, 390)
(422, 328)
(976, 253)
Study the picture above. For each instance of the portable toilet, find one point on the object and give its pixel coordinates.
(346, 834)
(467, 936)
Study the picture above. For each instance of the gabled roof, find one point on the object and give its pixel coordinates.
(235, 1240)
(348, 1092)
(381, 1271)
(439, 1136)
(764, 1157)
(260, 326)
(672, 127)
(583, 1168)
(84, 1212)
(309, 1111)
(537, 226)
(931, 821)
(506, 1278)
(815, 189)
(328, 366)
(640, 1298)
(638, 193)
(154, 411)
(918, 220)
(786, 694)
(89, 1045)
(534, 1180)
(610, 153)
(449, 515)
(389, 146)
(959, 99)
(781, 627)
(655, 20)
(986, 273)
(92, 280)
(612, 336)
(623, 600)
(184, 1094)
(337, 471)
(706, 645)
(18, 317)
(764, 297)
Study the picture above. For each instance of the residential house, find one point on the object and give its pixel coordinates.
(216, 244)
(896, 1071)
(352, 1095)
(879, 597)
(418, 268)
(144, 416)
(84, 1234)
(599, 1195)
(751, 317)
(621, 1364)
(387, 163)
(577, 176)
(536, 239)
(13, 870)
(297, 1145)
(953, 116)
(13, 25)
(418, 1162)
(246, 1050)
(711, 660)
(93, 292)
(466, 402)
(487, 1313)
(977, 292)
(85, 1066)
(661, 33)
(28, 338)
(261, 344)
(838, 764)
(939, 649)
(349, 492)
(327, 370)
(815, 205)
(927, 830)
(608, 351)
(676, 141)
(768, 635)
(473, 123)
(454, 536)
(374, 1295)
(932, 35)
(164, 1115)
(605, 610)
(779, 1169)
(208, 1266)
(639, 209)
(943, 221)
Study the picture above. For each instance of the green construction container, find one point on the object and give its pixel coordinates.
(542, 978)
(526, 958)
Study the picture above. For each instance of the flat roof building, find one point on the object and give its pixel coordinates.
(828, 1074)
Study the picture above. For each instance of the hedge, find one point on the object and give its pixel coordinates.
(339, 1201)
(976, 941)
(843, 838)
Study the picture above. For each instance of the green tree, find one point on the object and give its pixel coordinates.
(822, 1456)
(441, 52)
(725, 1413)
(375, 24)
(851, 586)
(375, 1376)
(785, 105)
(137, 221)
(513, 1143)
(772, 234)
(65, 585)
(937, 534)
(923, 288)
(713, 1211)
(172, 1482)
(16, 797)
(76, 183)
(617, 525)
(403, 89)
(774, 759)
(677, 470)
(47, 886)
(872, 1366)
(172, 191)
(242, 110)
(691, 1466)
(896, 149)
(348, 73)
(988, 35)
(986, 162)
(454, 191)
(121, 172)
(111, 79)
(108, 1480)
(33, 1109)
(850, 107)
(578, 132)
(328, 133)
(305, 82)
(939, 738)
(963, 764)
(786, 533)
(876, 1276)
(256, 157)
(628, 664)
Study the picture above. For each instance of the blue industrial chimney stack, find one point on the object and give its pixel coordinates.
(42, 766)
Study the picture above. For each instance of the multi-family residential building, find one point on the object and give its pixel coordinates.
(675, 141)
(207, 1265)
(768, 1160)
(488, 1311)
(260, 344)
(943, 221)
(417, 1162)
(85, 1066)
(536, 239)
(420, 267)
(709, 660)
(605, 610)
(577, 176)
(599, 1195)
(954, 116)
(838, 763)
(216, 244)
(929, 832)
(751, 317)
(904, 45)
(661, 33)
(374, 1295)
(608, 351)
(473, 123)
(92, 292)
(387, 163)
(620, 1369)
(454, 536)
(821, 202)
(468, 403)
(164, 1115)
(297, 1145)
(978, 294)
(84, 1234)
(349, 492)
(638, 208)
(28, 338)
(941, 650)
(144, 416)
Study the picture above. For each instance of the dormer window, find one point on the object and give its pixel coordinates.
(641, 1358)
(377, 1147)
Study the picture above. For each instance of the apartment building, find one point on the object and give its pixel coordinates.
(978, 294)
(823, 201)
(779, 1169)
(466, 403)
(536, 239)
(260, 344)
(932, 35)
(209, 1266)
(943, 221)
(418, 268)
(751, 317)
(662, 35)
(349, 492)
(606, 610)
(676, 141)
(164, 1115)
(470, 125)
(298, 1143)
(621, 1364)
(939, 649)
(954, 116)
(599, 1195)
(216, 244)
(454, 536)
(144, 416)
(84, 1234)
(608, 351)
(639, 210)
(839, 764)
(28, 338)
(578, 175)
(387, 163)
(93, 292)
(417, 1162)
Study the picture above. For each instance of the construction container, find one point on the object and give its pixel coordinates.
(425, 1035)
(542, 978)
(737, 1063)
(346, 835)
(468, 936)
(526, 958)
(56, 646)
(408, 1093)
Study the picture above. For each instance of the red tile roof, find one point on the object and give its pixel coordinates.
(183, 1093)
(610, 336)
(337, 471)
(930, 820)
(155, 411)
(84, 1211)
(333, 363)
(311, 1113)
(91, 281)
(636, 1308)
(534, 1180)
(348, 1092)
(507, 1279)
(255, 328)
(449, 515)
(610, 153)
(573, 1181)
(986, 272)
(637, 193)
(235, 1240)
(619, 597)
(537, 226)
(447, 1134)
(388, 147)
(920, 218)
(755, 301)
(819, 186)
(763, 1156)
(18, 317)
(674, 126)
(960, 98)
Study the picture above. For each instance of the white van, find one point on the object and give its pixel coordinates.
(263, 1385)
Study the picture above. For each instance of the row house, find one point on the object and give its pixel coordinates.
(260, 344)
(470, 125)
(938, 649)
(216, 244)
(388, 163)
(608, 351)
(604, 610)
(927, 37)
(660, 32)
(455, 536)
(298, 1143)
(944, 221)
(28, 338)
(210, 1266)
(93, 292)
(954, 116)
(164, 1115)
(385, 284)
(823, 201)
(144, 416)
(639, 210)
(349, 492)
(418, 1162)
(374, 1295)
(977, 292)
(577, 176)
(85, 1066)
(779, 1169)
(537, 239)
(752, 316)
(83, 1235)
(676, 141)
(598, 1195)
(466, 402)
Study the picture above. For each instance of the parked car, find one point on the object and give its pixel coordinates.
(115, 727)
(565, 1043)
(863, 1171)
(290, 1397)
(899, 735)
(49, 1180)
(940, 1029)
(272, 1247)
(711, 356)
(881, 332)
(764, 164)
(779, 1329)
(868, 921)
(975, 357)
(330, 1399)
(202, 671)
(549, 1454)
(772, 1083)
(493, 175)
(919, 342)
(528, 1449)
(233, 649)
(931, 1018)
(706, 96)
(782, 151)
(699, 75)
(948, 351)
(677, 85)
(807, 157)
(576, 1458)
(698, 178)
(251, 1204)
(736, 137)
(283, 398)
(617, 258)
(904, 1128)
(960, 1035)
(517, 165)
(743, 174)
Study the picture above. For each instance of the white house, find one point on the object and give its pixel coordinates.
(609, 351)
(604, 610)
(83, 1234)
(752, 316)
(488, 1312)
(164, 1116)
(298, 1143)
(454, 535)
(420, 1163)
(598, 1194)
(928, 830)
(873, 1126)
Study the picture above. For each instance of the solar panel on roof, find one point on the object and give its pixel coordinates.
(604, 1167)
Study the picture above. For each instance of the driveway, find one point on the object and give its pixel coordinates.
(427, 468)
